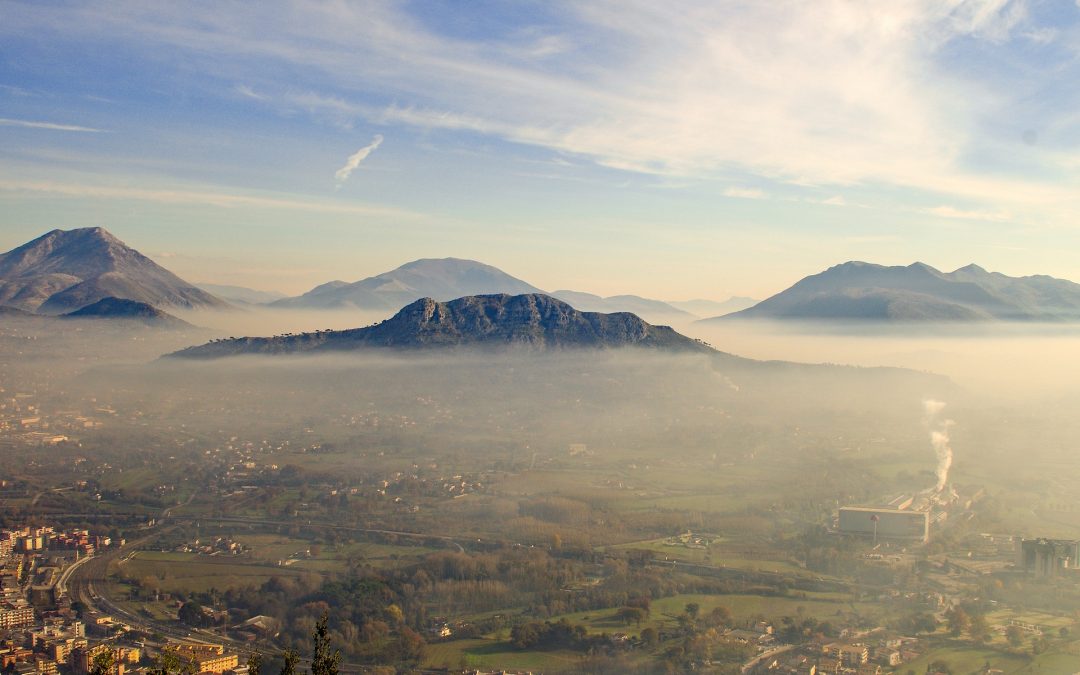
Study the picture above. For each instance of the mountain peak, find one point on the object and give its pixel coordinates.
(971, 269)
(64, 270)
(439, 278)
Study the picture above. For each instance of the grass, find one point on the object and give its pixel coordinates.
(496, 654)
(966, 659)
(717, 557)
(190, 572)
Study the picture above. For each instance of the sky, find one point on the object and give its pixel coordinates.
(675, 150)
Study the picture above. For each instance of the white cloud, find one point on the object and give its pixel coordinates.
(946, 211)
(825, 93)
(342, 174)
(744, 193)
(49, 126)
(836, 200)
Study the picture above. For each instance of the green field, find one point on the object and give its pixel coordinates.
(191, 572)
(496, 654)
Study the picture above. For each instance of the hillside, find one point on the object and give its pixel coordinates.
(127, 310)
(534, 321)
(64, 270)
(862, 291)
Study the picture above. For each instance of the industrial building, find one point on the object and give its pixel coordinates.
(885, 523)
(1048, 557)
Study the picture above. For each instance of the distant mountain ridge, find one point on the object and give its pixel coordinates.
(444, 279)
(918, 292)
(588, 302)
(438, 278)
(532, 320)
(64, 270)
(242, 294)
(711, 308)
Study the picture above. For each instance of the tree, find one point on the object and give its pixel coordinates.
(649, 636)
(632, 615)
(323, 661)
(979, 628)
(192, 614)
(170, 663)
(958, 621)
(289, 660)
(1015, 635)
(254, 663)
(720, 616)
(103, 663)
(692, 609)
(940, 666)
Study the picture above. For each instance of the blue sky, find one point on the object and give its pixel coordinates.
(674, 150)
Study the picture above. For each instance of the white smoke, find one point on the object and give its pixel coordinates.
(939, 438)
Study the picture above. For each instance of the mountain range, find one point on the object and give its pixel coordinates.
(65, 270)
(918, 292)
(447, 278)
(534, 321)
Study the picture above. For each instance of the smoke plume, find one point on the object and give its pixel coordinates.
(939, 439)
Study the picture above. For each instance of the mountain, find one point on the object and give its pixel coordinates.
(13, 313)
(64, 270)
(701, 307)
(127, 310)
(536, 321)
(438, 278)
(240, 294)
(864, 291)
(653, 310)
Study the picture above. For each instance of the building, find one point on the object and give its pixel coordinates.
(1048, 557)
(849, 655)
(206, 658)
(15, 615)
(885, 523)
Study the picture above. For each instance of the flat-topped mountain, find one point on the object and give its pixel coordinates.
(127, 310)
(918, 292)
(535, 321)
(64, 270)
(438, 278)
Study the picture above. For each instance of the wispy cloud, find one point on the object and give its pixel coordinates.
(200, 197)
(49, 126)
(946, 211)
(744, 193)
(342, 174)
(247, 92)
(809, 93)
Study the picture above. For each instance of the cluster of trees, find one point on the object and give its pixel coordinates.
(560, 634)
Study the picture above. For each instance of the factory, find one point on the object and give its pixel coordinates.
(1048, 557)
(885, 522)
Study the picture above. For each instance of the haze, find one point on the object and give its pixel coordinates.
(612, 336)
